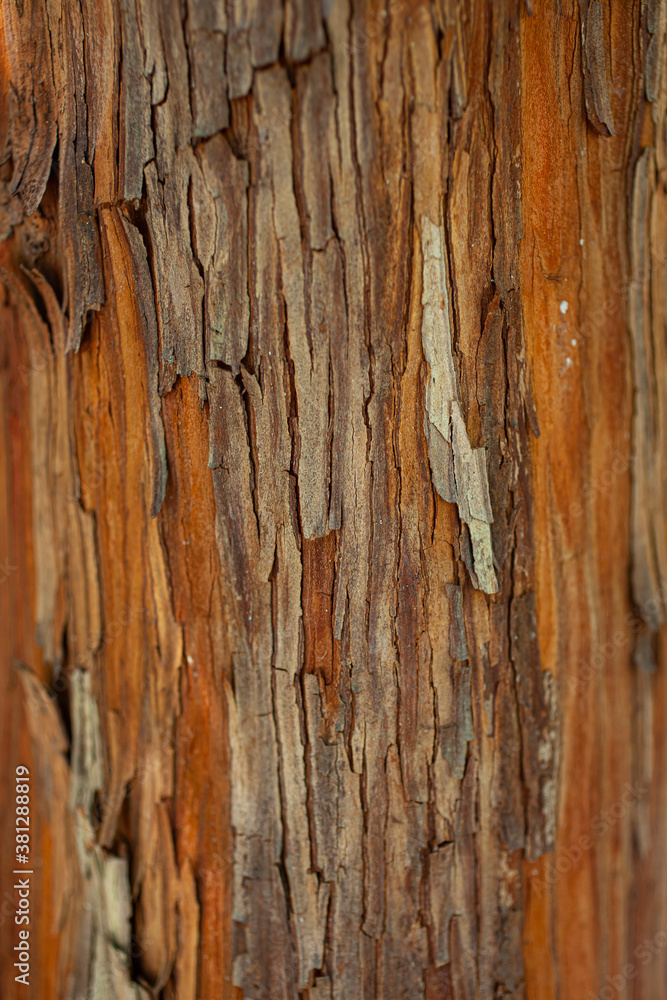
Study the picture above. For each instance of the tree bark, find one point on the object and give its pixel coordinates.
(333, 394)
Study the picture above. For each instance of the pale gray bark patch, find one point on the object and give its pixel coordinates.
(443, 411)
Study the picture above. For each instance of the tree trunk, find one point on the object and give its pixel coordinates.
(333, 421)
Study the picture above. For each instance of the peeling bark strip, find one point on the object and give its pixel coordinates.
(656, 22)
(459, 471)
(649, 555)
(596, 72)
(289, 626)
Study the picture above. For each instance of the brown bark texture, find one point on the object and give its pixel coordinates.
(333, 428)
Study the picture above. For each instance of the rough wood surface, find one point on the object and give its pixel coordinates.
(332, 524)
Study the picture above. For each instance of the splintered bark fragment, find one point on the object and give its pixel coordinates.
(207, 24)
(537, 699)
(459, 472)
(31, 132)
(309, 353)
(149, 333)
(656, 21)
(458, 731)
(220, 238)
(136, 133)
(450, 15)
(304, 31)
(649, 555)
(239, 63)
(179, 302)
(458, 646)
(443, 897)
(596, 72)
(86, 755)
